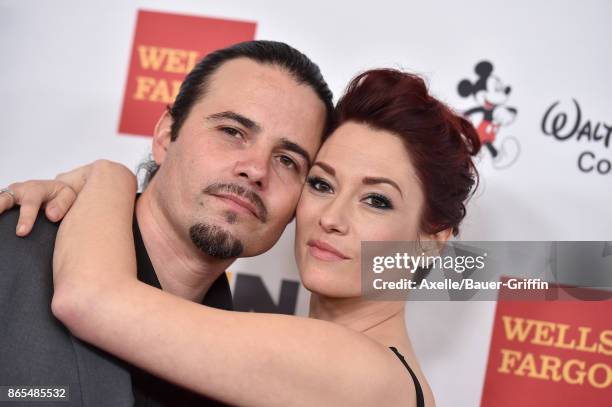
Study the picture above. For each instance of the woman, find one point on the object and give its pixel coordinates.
(398, 167)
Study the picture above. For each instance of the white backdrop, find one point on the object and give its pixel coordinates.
(64, 66)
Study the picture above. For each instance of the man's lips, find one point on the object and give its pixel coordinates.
(325, 251)
(239, 201)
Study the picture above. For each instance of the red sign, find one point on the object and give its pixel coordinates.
(550, 353)
(165, 48)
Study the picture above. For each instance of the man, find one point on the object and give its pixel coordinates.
(230, 157)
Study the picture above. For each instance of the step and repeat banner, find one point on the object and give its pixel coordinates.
(88, 80)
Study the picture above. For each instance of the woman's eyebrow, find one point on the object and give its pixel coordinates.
(381, 180)
(325, 167)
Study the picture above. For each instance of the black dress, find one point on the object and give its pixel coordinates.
(417, 385)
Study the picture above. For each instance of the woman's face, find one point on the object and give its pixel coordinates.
(362, 186)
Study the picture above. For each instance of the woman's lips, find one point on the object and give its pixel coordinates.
(324, 251)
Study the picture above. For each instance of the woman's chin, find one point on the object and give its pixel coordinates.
(325, 284)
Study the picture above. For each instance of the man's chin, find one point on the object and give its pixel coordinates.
(216, 241)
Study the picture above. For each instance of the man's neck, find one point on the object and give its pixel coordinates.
(181, 268)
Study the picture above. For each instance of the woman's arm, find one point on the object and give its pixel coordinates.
(240, 358)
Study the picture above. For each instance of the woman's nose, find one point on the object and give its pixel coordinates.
(333, 218)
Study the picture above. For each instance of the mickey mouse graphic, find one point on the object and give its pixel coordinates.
(491, 95)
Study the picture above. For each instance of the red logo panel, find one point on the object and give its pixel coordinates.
(165, 48)
(550, 353)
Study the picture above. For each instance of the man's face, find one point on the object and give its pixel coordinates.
(231, 180)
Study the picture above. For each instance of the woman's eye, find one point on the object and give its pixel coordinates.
(378, 202)
(319, 185)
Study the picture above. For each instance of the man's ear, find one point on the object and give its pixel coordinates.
(162, 137)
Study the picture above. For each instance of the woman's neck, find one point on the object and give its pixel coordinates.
(382, 321)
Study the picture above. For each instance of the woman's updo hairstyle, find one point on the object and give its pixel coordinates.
(440, 142)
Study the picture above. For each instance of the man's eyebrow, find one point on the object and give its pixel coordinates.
(245, 121)
(325, 167)
(381, 180)
(296, 148)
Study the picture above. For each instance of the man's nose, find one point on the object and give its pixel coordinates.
(253, 167)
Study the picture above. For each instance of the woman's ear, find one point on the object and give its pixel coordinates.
(433, 244)
(162, 137)
(443, 235)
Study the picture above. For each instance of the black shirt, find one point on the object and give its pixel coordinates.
(150, 391)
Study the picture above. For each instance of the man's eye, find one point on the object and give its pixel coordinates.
(230, 131)
(319, 185)
(378, 201)
(287, 161)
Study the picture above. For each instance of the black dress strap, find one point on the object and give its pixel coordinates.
(417, 385)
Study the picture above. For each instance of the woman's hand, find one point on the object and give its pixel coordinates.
(57, 196)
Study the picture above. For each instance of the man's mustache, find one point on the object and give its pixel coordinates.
(239, 190)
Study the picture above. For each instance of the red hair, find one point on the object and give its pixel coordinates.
(440, 142)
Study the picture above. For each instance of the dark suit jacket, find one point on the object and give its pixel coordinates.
(36, 349)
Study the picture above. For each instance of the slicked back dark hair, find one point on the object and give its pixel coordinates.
(303, 70)
(195, 84)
